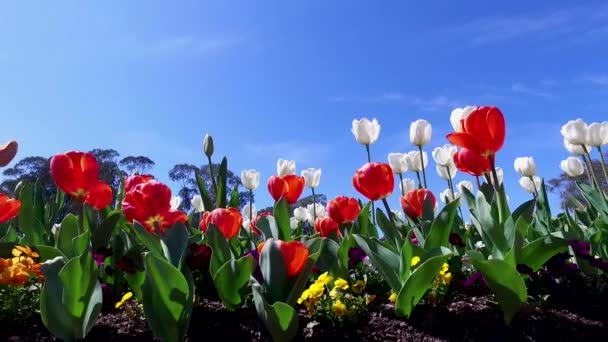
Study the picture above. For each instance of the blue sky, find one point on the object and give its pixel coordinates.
(284, 79)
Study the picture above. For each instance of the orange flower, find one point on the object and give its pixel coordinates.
(228, 221)
(343, 209)
(325, 226)
(9, 208)
(374, 181)
(289, 186)
(413, 202)
(8, 152)
(15, 275)
(77, 174)
(483, 131)
(295, 254)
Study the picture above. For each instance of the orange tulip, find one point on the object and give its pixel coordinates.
(374, 181)
(471, 162)
(295, 254)
(9, 208)
(228, 221)
(413, 202)
(77, 174)
(8, 152)
(343, 209)
(483, 131)
(325, 226)
(289, 186)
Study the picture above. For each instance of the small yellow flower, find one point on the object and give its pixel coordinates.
(444, 268)
(304, 296)
(447, 278)
(338, 308)
(393, 297)
(124, 299)
(24, 251)
(325, 278)
(369, 299)
(415, 261)
(358, 287)
(333, 294)
(341, 284)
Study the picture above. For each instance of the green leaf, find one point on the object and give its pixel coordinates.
(30, 220)
(136, 283)
(47, 252)
(280, 319)
(420, 280)
(328, 261)
(428, 209)
(121, 192)
(234, 198)
(208, 204)
(405, 263)
(490, 225)
(68, 230)
(268, 226)
(391, 233)
(175, 242)
(274, 271)
(232, 280)
(220, 194)
(297, 286)
(362, 226)
(166, 300)
(538, 252)
(220, 247)
(281, 215)
(441, 227)
(81, 244)
(149, 240)
(505, 282)
(594, 197)
(384, 259)
(103, 233)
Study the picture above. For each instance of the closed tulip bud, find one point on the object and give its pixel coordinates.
(286, 167)
(525, 166)
(293, 223)
(374, 181)
(301, 214)
(250, 179)
(458, 115)
(316, 210)
(197, 204)
(366, 132)
(175, 202)
(420, 132)
(446, 196)
(407, 185)
(8, 151)
(414, 160)
(577, 150)
(442, 171)
(398, 162)
(413, 202)
(576, 132)
(312, 177)
(249, 209)
(598, 134)
(208, 145)
(572, 166)
(464, 184)
(527, 184)
(444, 155)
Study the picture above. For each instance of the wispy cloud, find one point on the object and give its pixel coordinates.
(597, 79)
(301, 152)
(427, 103)
(181, 45)
(523, 89)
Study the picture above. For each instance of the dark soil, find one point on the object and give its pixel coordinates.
(461, 318)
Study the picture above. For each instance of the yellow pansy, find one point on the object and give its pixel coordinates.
(415, 261)
(447, 278)
(338, 308)
(358, 287)
(341, 284)
(124, 299)
(325, 278)
(393, 297)
(369, 299)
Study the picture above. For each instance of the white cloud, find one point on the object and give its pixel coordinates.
(597, 79)
(426, 103)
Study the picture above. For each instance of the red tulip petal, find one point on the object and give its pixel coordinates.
(295, 187)
(295, 255)
(464, 140)
(9, 208)
(8, 152)
(496, 128)
(62, 170)
(277, 187)
(100, 195)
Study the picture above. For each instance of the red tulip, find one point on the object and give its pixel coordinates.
(325, 226)
(413, 202)
(254, 222)
(134, 180)
(374, 181)
(8, 151)
(289, 186)
(483, 131)
(343, 209)
(471, 162)
(9, 208)
(295, 254)
(77, 174)
(228, 221)
(149, 204)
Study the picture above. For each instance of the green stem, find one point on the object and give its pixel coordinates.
(588, 170)
(388, 211)
(478, 183)
(314, 206)
(599, 149)
(212, 178)
(81, 220)
(535, 194)
(401, 183)
(502, 216)
(422, 165)
(450, 183)
(419, 181)
(369, 160)
(251, 234)
(597, 184)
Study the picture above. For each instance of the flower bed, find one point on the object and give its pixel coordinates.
(128, 263)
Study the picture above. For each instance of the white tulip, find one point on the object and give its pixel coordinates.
(414, 160)
(444, 155)
(420, 132)
(479, 244)
(315, 211)
(598, 134)
(446, 196)
(442, 171)
(175, 202)
(312, 177)
(286, 167)
(293, 222)
(572, 166)
(398, 162)
(458, 115)
(407, 185)
(250, 179)
(465, 184)
(527, 184)
(499, 174)
(300, 213)
(249, 209)
(247, 225)
(525, 166)
(366, 132)
(398, 213)
(197, 203)
(576, 132)
(577, 150)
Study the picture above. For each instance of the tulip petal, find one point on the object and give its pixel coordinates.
(295, 255)
(277, 187)
(62, 169)
(9, 208)
(496, 127)
(295, 187)
(100, 195)
(8, 152)
(464, 140)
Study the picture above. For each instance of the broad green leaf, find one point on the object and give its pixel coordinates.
(328, 261)
(234, 198)
(441, 227)
(280, 319)
(232, 280)
(175, 242)
(103, 233)
(268, 226)
(281, 215)
(405, 262)
(428, 210)
(389, 230)
(274, 271)
(490, 225)
(66, 233)
(81, 244)
(362, 225)
(222, 178)
(384, 259)
(47, 252)
(30, 220)
(220, 247)
(297, 286)
(208, 204)
(538, 252)
(150, 240)
(595, 198)
(136, 283)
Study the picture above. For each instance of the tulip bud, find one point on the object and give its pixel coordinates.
(572, 166)
(312, 177)
(528, 184)
(420, 132)
(458, 115)
(407, 185)
(197, 204)
(208, 145)
(8, 152)
(414, 160)
(250, 179)
(366, 132)
(442, 171)
(300, 213)
(576, 149)
(525, 166)
(293, 223)
(576, 132)
(175, 202)
(464, 184)
(374, 181)
(444, 155)
(398, 162)
(286, 167)
(249, 209)
(317, 210)
(598, 134)
(446, 196)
